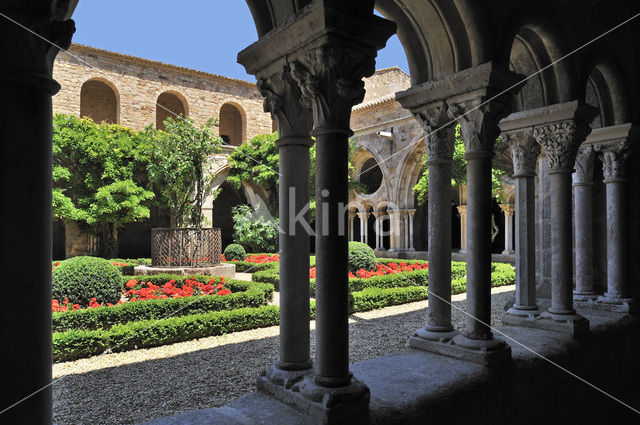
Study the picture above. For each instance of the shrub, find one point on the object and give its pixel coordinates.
(374, 298)
(76, 344)
(361, 256)
(245, 294)
(246, 267)
(82, 278)
(235, 252)
(267, 276)
(253, 230)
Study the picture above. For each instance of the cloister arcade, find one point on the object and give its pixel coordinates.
(469, 62)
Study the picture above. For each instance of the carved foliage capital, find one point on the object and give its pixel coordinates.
(282, 99)
(560, 141)
(29, 54)
(584, 165)
(439, 131)
(478, 118)
(614, 159)
(524, 152)
(330, 81)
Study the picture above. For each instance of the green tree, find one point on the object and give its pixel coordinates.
(178, 168)
(257, 161)
(114, 206)
(88, 157)
(253, 231)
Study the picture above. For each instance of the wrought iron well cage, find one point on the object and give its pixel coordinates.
(185, 247)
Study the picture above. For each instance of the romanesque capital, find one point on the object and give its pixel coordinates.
(26, 57)
(478, 117)
(439, 132)
(524, 151)
(282, 98)
(330, 81)
(560, 141)
(584, 166)
(614, 160)
(363, 216)
(508, 209)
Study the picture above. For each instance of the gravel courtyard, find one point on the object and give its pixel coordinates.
(136, 386)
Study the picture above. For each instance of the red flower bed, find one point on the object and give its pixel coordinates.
(381, 270)
(257, 258)
(141, 291)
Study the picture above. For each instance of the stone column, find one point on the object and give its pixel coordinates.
(479, 127)
(614, 157)
(583, 225)
(439, 140)
(508, 210)
(411, 214)
(294, 124)
(560, 140)
(524, 153)
(395, 231)
(25, 132)
(462, 210)
(378, 226)
(352, 216)
(364, 228)
(405, 216)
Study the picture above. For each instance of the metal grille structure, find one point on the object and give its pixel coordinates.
(185, 247)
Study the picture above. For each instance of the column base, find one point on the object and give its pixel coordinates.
(284, 376)
(487, 352)
(380, 249)
(508, 252)
(327, 406)
(620, 305)
(569, 323)
(584, 296)
(519, 316)
(411, 249)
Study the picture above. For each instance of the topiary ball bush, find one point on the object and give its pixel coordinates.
(82, 278)
(235, 252)
(361, 256)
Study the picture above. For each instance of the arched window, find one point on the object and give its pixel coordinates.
(231, 124)
(169, 105)
(99, 101)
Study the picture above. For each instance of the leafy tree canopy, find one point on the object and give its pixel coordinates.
(179, 166)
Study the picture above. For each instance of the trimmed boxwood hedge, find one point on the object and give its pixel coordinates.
(244, 266)
(271, 277)
(76, 344)
(375, 298)
(245, 294)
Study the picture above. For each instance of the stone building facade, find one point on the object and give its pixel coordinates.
(136, 92)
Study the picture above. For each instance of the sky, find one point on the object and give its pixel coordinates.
(207, 35)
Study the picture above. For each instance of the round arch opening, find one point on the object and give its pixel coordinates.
(99, 101)
(231, 124)
(169, 105)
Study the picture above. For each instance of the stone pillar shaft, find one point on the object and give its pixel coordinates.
(462, 210)
(352, 216)
(411, 214)
(26, 135)
(583, 224)
(508, 210)
(478, 243)
(561, 244)
(294, 256)
(616, 249)
(525, 244)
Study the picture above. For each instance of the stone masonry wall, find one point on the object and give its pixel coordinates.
(139, 82)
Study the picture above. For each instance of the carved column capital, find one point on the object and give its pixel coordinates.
(478, 118)
(560, 141)
(330, 81)
(363, 216)
(27, 58)
(282, 98)
(524, 151)
(508, 209)
(439, 132)
(614, 160)
(583, 176)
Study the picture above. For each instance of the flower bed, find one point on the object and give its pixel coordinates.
(256, 262)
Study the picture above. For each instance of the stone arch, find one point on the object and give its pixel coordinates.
(170, 104)
(100, 101)
(222, 216)
(529, 44)
(362, 161)
(410, 170)
(233, 124)
(439, 37)
(604, 89)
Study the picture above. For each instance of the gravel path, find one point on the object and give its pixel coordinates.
(140, 385)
